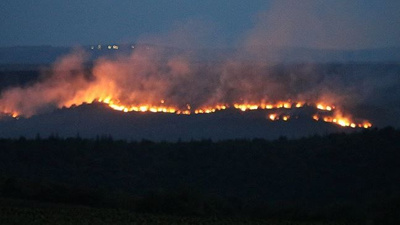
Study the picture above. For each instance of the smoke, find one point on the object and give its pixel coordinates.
(194, 33)
(64, 81)
(150, 75)
(330, 24)
(153, 75)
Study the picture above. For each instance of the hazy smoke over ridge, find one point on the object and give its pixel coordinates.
(330, 24)
(150, 75)
(147, 77)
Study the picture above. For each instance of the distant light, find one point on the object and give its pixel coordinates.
(98, 46)
(109, 47)
(92, 47)
(115, 47)
(132, 46)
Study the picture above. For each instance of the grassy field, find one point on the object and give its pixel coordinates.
(80, 215)
(28, 212)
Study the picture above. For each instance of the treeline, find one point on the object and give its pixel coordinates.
(333, 177)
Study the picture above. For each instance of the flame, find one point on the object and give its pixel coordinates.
(255, 106)
(137, 108)
(325, 107)
(286, 105)
(273, 117)
(210, 109)
(14, 115)
(337, 118)
(245, 107)
(343, 121)
(144, 83)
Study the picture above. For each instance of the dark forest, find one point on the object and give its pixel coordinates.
(336, 177)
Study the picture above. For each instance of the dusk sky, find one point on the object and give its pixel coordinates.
(340, 24)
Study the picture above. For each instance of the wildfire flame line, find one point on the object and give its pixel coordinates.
(143, 82)
(161, 108)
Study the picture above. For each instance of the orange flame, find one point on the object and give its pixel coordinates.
(162, 107)
(325, 107)
(137, 84)
(343, 121)
(273, 117)
(337, 118)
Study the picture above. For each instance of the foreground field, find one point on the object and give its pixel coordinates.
(86, 215)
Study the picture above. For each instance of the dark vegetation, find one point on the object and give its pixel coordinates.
(337, 177)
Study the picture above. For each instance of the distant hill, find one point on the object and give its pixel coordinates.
(48, 54)
(93, 120)
(378, 92)
(31, 54)
(329, 55)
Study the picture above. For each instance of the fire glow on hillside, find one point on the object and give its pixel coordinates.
(144, 82)
(335, 118)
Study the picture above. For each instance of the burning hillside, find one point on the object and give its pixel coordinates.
(149, 80)
(285, 114)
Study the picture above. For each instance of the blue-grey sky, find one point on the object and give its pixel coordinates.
(206, 23)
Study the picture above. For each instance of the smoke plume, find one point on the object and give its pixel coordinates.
(155, 76)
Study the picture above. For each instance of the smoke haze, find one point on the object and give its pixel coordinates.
(327, 24)
(154, 76)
